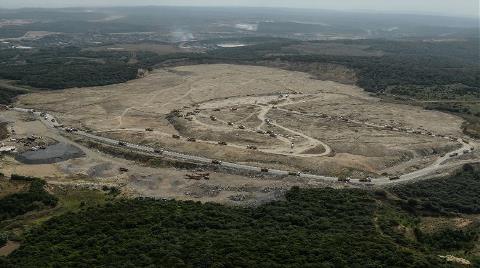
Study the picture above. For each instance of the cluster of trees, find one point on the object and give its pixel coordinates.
(312, 228)
(20, 203)
(68, 67)
(3, 239)
(449, 239)
(455, 194)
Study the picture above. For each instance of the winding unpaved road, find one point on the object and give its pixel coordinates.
(439, 165)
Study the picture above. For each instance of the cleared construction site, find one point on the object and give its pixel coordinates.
(255, 116)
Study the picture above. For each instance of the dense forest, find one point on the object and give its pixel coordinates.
(309, 228)
(455, 194)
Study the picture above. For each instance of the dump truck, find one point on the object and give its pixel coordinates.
(294, 173)
(191, 139)
(213, 118)
(394, 178)
(348, 179)
(241, 127)
(222, 143)
(175, 136)
(264, 170)
(252, 147)
(158, 151)
(198, 176)
(123, 169)
(149, 129)
(367, 179)
(122, 143)
(216, 162)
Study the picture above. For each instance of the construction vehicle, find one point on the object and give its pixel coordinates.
(294, 173)
(191, 139)
(348, 179)
(241, 127)
(264, 169)
(230, 123)
(222, 143)
(121, 143)
(216, 110)
(122, 169)
(149, 129)
(175, 136)
(198, 176)
(367, 179)
(252, 147)
(158, 151)
(213, 118)
(216, 162)
(234, 109)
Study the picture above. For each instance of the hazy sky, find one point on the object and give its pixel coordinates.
(446, 7)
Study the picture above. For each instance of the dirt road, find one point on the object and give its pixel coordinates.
(437, 166)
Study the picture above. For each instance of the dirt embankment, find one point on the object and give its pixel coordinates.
(318, 70)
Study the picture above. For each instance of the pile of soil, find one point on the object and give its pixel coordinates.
(55, 153)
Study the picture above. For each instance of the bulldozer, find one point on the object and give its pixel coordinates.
(198, 176)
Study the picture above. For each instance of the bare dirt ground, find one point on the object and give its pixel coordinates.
(293, 122)
(95, 170)
(318, 126)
